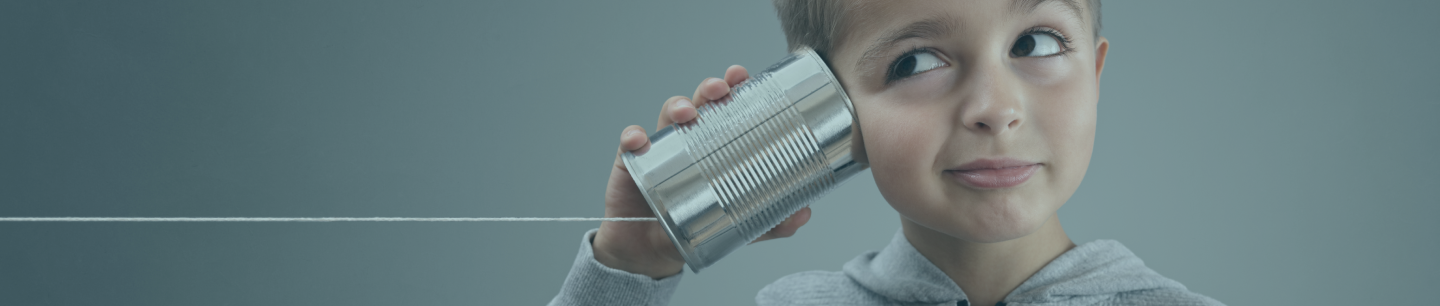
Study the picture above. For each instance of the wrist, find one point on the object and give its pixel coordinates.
(655, 267)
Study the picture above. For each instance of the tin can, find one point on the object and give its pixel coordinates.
(780, 140)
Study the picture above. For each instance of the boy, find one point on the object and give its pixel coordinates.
(978, 121)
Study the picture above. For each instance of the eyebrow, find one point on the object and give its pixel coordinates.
(1020, 7)
(942, 25)
(927, 28)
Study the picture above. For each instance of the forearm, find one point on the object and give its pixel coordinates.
(593, 283)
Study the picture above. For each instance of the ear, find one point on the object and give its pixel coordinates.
(1102, 46)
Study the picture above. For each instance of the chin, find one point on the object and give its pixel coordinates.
(968, 216)
(994, 223)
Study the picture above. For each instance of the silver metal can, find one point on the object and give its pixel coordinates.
(780, 140)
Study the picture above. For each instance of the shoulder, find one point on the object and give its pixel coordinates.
(1167, 296)
(817, 288)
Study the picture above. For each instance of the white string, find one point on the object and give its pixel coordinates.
(313, 219)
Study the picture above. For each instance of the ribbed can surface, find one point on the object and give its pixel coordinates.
(778, 141)
(764, 171)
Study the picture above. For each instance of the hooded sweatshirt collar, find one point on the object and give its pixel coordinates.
(899, 272)
(1087, 273)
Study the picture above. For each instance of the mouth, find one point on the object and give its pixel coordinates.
(993, 173)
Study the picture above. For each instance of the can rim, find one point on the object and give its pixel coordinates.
(854, 117)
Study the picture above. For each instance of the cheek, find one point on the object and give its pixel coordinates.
(1065, 97)
(1066, 118)
(901, 141)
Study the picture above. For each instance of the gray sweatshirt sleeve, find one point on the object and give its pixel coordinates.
(593, 283)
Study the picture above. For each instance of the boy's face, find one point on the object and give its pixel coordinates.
(978, 116)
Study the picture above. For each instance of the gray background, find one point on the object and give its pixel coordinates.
(1275, 152)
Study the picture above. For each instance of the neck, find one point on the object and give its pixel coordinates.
(987, 272)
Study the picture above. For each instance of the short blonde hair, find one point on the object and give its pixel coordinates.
(816, 23)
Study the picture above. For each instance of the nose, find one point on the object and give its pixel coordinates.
(991, 102)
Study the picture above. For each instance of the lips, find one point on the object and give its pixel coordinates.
(994, 173)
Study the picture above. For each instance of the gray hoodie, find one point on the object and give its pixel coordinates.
(1102, 272)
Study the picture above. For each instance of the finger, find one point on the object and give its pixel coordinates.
(788, 227)
(736, 74)
(710, 90)
(632, 139)
(622, 195)
(675, 109)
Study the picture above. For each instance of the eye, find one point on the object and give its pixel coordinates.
(912, 63)
(1037, 44)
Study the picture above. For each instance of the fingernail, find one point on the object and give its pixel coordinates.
(630, 133)
(684, 103)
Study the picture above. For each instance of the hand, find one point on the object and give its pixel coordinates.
(643, 247)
